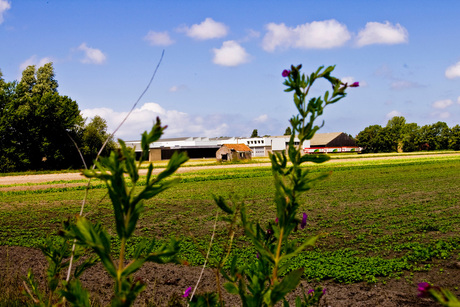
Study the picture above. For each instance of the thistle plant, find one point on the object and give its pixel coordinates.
(120, 172)
(127, 201)
(268, 280)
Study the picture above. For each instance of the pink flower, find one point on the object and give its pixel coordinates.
(354, 84)
(304, 221)
(276, 221)
(187, 292)
(286, 73)
(423, 289)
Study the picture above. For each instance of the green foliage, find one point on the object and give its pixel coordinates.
(288, 131)
(127, 203)
(268, 280)
(36, 122)
(93, 136)
(454, 140)
(401, 136)
(254, 133)
(58, 254)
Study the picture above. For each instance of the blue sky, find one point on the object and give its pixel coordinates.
(221, 72)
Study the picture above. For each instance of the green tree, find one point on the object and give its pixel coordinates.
(395, 127)
(435, 136)
(288, 131)
(454, 140)
(93, 137)
(39, 123)
(411, 136)
(254, 133)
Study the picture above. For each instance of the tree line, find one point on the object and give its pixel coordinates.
(41, 129)
(399, 136)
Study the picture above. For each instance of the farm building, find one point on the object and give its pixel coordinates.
(202, 147)
(331, 142)
(233, 152)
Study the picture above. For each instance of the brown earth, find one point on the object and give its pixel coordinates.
(169, 280)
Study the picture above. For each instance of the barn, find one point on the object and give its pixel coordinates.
(333, 142)
(234, 152)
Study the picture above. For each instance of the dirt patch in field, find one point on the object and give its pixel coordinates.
(167, 281)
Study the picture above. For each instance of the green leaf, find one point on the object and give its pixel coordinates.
(288, 284)
(231, 288)
(221, 203)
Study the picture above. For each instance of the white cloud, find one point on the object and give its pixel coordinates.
(382, 33)
(4, 6)
(92, 55)
(230, 54)
(453, 71)
(404, 84)
(158, 38)
(458, 99)
(208, 29)
(442, 104)
(33, 60)
(443, 115)
(180, 124)
(177, 88)
(261, 119)
(393, 114)
(315, 35)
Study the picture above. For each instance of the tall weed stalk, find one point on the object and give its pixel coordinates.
(267, 281)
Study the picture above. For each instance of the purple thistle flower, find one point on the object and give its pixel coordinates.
(257, 255)
(187, 292)
(311, 291)
(324, 291)
(423, 289)
(276, 221)
(354, 84)
(286, 73)
(304, 221)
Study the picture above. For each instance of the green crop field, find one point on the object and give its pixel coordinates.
(377, 219)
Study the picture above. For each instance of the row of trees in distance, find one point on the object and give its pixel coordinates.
(39, 128)
(399, 136)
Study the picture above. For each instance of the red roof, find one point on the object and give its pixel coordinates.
(238, 147)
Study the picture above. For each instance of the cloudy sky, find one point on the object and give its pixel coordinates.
(221, 70)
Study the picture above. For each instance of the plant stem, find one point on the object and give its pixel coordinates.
(277, 257)
(120, 262)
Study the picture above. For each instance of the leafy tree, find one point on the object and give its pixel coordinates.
(454, 140)
(395, 127)
(37, 123)
(288, 131)
(368, 139)
(254, 133)
(411, 136)
(435, 136)
(93, 137)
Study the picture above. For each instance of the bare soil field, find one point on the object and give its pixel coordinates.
(166, 283)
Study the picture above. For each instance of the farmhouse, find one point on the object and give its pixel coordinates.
(233, 152)
(203, 147)
(331, 142)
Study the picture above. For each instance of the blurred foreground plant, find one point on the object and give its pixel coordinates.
(440, 295)
(267, 281)
(127, 201)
